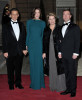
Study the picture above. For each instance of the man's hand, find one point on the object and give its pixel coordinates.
(44, 55)
(59, 55)
(6, 55)
(25, 52)
(74, 56)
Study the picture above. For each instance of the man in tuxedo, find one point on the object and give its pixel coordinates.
(14, 47)
(69, 51)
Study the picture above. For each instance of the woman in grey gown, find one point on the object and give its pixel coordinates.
(50, 38)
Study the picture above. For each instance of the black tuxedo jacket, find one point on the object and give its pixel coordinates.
(10, 43)
(71, 42)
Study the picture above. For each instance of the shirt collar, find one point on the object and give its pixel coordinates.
(67, 22)
(13, 20)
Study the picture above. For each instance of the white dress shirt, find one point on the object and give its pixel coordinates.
(64, 28)
(16, 29)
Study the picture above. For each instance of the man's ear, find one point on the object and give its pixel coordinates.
(18, 15)
(71, 16)
(10, 16)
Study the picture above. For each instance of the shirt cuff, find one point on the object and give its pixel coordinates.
(59, 52)
(76, 54)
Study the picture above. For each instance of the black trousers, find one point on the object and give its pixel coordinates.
(70, 67)
(14, 66)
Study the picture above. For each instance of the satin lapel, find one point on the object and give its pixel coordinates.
(11, 30)
(67, 29)
(20, 29)
(61, 32)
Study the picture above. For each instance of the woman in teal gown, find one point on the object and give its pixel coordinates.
(35, 28)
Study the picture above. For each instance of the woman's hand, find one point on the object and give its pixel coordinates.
(6, 55)
(44, 55)
(25, 52)
(26, 48)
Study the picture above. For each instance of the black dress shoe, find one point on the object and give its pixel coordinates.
(19, 86)
(65, 92)
(11, 87)
(73, 95)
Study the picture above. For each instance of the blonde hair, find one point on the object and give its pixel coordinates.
(51, 14)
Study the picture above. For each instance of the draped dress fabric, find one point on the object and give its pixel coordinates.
(56, 82)
(34, 38)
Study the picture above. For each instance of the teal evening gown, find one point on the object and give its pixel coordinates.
(34, 39)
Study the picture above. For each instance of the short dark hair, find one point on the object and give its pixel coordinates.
(67, 9)
(14, 9)
(33, 12)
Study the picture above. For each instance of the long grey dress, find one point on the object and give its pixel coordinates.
(56, 82)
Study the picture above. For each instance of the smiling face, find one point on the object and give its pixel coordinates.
(14, 15)
(66, 16)
(37, 14)
(51, 20)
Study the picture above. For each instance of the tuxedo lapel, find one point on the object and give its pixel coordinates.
(61, 32)
(68, 28)
(11, 30)
(20, 29)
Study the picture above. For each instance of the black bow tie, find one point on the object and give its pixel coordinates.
(66, 24)
(14, 22)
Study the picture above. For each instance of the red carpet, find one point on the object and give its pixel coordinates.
(30, 94)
